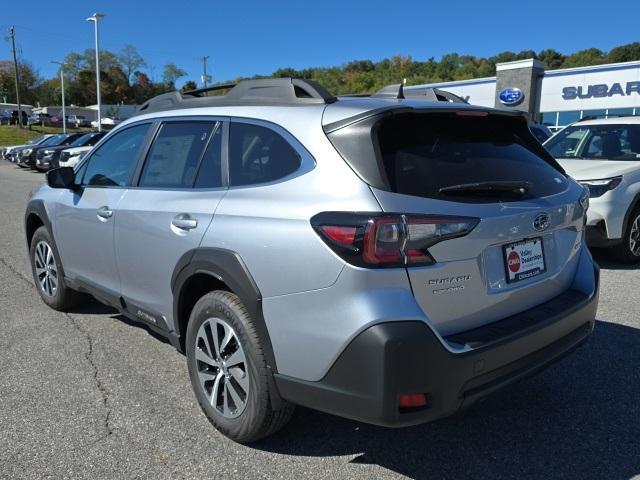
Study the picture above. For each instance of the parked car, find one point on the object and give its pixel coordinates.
(541, 132)
(5, 118)
(107, 123)
(604, 154)
(29, 156)
(78, 121)
(297, 257)
(43, 119)
(70, 157)
(9, 153)
(15, 116)
(49, 157)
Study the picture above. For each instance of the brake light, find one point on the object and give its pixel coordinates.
(388, 240)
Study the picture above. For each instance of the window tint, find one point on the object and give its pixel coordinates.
(114, 161)
(210, 172)
(173, 159)
(258, 154)
(423, 154)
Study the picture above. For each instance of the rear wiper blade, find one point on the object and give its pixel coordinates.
(505, 186)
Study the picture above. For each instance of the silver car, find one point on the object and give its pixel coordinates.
(390, 259)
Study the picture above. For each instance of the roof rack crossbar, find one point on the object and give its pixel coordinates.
(397, 90)
(265, 91)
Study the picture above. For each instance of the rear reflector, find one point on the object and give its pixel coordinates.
(412, 400)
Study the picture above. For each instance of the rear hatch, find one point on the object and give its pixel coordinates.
(451, 163)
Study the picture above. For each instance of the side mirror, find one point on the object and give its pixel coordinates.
(62, 177)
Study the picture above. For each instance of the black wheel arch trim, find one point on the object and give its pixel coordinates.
(632, 206)
(228, 267)
(36, 207)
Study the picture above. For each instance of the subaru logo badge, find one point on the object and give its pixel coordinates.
(541, 222)
(511, 96)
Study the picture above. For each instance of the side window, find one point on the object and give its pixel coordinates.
(173, 159)
(113, 162)
(210, 172)
(258, 155)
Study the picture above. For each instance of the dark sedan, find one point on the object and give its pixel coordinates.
(29, 155)
(49, 157)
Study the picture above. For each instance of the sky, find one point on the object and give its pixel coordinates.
(243, 38)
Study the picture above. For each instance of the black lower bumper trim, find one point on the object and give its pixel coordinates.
(390, 359)
(597, 236)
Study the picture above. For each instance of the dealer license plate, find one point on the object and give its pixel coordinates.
(524, 259)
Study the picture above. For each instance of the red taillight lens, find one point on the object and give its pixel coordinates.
(412, 400)
(342, 235)
(388, 240)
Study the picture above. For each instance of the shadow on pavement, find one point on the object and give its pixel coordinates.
(578, 419)
(605, 260)
(94, 307)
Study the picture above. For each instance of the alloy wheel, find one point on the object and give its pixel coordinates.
(46, 269)
(634, 237)
(222, 367)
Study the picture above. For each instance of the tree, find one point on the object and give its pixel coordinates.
(171, 73)
(551, 58)
(625, 53)
(189, 85)
(131, 60)
(583, 58)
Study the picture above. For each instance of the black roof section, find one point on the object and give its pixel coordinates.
(279, 92)
(267, 91)
(433, 94)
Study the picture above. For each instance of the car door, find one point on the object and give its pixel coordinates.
(85, 217)
(166, 213)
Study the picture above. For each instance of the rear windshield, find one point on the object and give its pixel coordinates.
(423, 154)
(597, 142)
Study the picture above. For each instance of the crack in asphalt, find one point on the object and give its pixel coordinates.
(88, 354)
(99, 384)
(16, 272)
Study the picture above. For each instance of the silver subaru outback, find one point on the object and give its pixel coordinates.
(390, 259)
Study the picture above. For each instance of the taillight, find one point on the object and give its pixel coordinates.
(388, 240)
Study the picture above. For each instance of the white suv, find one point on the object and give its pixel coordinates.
(604, 155)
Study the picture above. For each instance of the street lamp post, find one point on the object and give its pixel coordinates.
(95, 18)
(64, 112)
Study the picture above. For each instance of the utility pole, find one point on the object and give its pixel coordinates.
(12, 35)
(205, 78)
(95, 18)
(64, 113)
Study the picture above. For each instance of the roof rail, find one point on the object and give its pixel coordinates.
(266, 91)
(397, 90)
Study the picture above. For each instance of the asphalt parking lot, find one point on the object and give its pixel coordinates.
(91, 395)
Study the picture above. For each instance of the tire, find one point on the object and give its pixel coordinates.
(629, 251)
(242, 376)
(46, 268)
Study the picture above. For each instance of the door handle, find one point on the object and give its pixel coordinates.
(184, 221)
(105, 213)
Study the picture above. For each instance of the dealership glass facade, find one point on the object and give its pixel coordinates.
(556, 98)
(562, 119)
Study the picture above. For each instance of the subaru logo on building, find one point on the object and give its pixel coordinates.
(541, 222)
(511, 96)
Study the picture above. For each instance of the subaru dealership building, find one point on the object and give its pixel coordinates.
(554, 97)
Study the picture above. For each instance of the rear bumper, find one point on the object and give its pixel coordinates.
(390, 359)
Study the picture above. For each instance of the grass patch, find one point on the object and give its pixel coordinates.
(12, 135)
